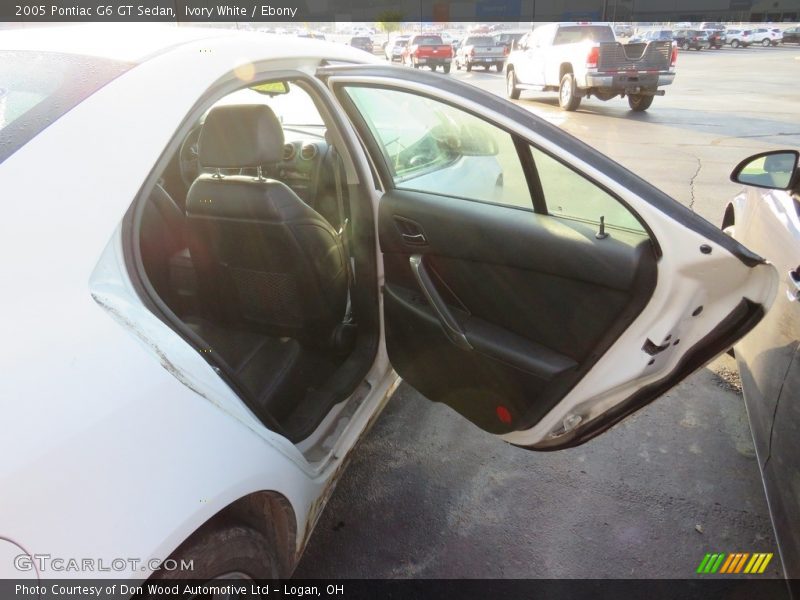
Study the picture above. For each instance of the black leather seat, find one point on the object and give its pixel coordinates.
(264, 259)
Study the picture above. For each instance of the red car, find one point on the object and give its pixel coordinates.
(428, 51)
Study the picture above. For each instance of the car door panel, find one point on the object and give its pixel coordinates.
(541, 328)
(537, 297)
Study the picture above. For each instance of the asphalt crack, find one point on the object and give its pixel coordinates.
(691, 183)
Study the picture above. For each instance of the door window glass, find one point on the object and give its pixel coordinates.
(568, 194)
(430, 146)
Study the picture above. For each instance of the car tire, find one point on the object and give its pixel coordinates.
(567, 97)
(458, 66)
(685, 46)
(224, 550)
(640, 102)
(446, 68)
(766, 43)
(734, 43)
(468, 66)
(512, 91)
(498, 67)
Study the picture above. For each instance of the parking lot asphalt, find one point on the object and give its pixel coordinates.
(429, 495)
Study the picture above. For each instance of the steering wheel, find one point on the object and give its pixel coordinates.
(188, 158)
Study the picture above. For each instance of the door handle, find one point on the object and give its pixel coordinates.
(793, 292)
(417, 239)
(410, 231)
(451, 327)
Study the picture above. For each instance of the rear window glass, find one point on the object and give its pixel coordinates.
(361, 40)
(36, 88)
(579, 33)
(479, 41)
(428, 40)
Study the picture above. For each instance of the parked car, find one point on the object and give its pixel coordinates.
(766, 217)
(652, 36)
(314, 35)
(717, 38)
(362, 42)
(694, 39)
(428, 51)
(623, 29)
(791, 35)
(509, 39)
(766, 36)
(394, 48)
(712, 26)
(221, 320)
(480, 51)
(739, 37)
(582, 60)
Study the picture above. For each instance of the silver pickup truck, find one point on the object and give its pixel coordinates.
(481, 50)
(582, 60)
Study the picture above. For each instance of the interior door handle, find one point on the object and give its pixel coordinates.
(451, 327)
(414, 238)
(410, 231)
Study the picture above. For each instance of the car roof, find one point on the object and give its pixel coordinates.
(126, 42)
(136, 43)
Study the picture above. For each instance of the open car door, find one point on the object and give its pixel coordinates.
(538, 288)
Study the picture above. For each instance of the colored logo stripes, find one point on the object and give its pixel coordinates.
(736, 562)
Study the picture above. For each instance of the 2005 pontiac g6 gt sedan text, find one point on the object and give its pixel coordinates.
(222, 250)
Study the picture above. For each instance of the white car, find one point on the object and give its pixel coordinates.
(766, 217)
(739, 37)
(222, 250)
(766, 36)
(393, 49)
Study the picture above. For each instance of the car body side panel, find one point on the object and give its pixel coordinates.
(118, 439)
(767, 222)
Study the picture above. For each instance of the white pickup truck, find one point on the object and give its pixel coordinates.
(582, 60)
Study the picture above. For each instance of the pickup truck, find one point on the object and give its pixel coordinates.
(481, 50)
(583, 60)
(428, 51)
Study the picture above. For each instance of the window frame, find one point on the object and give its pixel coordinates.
(375, 149)
(523, 147)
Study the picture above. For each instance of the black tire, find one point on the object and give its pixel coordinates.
(567, 98)
(734, 43)
(685, 46)
(766, 43)
(512, 91)
(446, 68)
(219, 550)
(498, 67)
(468, 67)
(640, 102)
(458, 66)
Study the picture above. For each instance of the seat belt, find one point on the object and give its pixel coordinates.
(343, 233)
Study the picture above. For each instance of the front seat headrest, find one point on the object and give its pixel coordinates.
(235, 137)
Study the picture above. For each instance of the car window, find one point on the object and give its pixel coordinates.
(570, 195)
(580, 33)
(479, 41)
(36, 88)
(432, 147)
(295, 108)
(428, 40)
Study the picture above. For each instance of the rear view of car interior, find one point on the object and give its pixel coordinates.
(252, 269)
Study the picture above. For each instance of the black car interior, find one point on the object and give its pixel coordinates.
(494, 310)
(250, 266)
